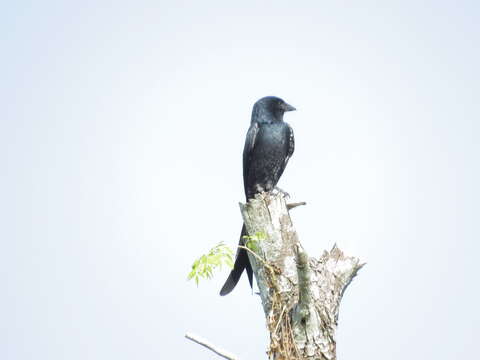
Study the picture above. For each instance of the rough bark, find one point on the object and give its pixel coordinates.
(300, 294)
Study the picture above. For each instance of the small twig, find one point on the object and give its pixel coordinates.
(211, 347)
(294, 205)
(253, 253)
(279, 319)
(268, 266)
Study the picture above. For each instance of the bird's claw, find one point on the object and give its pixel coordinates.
(285, 194)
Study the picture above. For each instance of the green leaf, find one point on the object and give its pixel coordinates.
(205, 265)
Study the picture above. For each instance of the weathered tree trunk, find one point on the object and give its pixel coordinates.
(300, 295)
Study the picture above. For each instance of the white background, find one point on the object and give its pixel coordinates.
(122, 126)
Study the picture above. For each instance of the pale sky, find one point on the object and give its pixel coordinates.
(122, 129)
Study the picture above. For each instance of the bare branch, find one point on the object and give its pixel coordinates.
(305, 300)
(294, 205)
(209, 346)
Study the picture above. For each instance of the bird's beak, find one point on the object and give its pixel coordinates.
(288, 107)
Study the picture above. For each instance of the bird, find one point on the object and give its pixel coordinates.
(269, 144)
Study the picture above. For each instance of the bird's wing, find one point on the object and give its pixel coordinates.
(248, 149)
(291, 143)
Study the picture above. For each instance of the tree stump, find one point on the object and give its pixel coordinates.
(300, 294)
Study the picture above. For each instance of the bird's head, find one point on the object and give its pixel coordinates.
(270, 108)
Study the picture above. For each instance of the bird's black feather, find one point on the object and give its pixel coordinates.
(269, 144)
